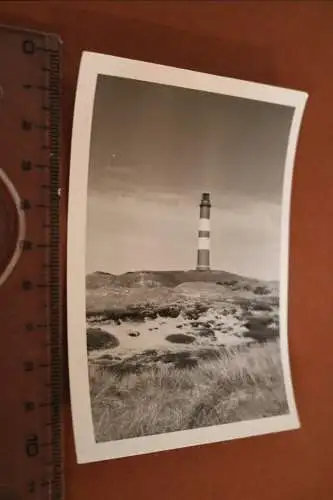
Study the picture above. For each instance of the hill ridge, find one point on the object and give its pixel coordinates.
(149, 278)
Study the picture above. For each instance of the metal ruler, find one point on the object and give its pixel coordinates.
(30, 300)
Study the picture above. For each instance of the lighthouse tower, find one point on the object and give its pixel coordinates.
(203, 257)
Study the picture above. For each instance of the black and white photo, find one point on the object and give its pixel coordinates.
(178, 258)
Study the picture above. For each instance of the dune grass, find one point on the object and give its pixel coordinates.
(237, 385)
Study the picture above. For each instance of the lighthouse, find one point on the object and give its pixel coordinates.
(203, 255)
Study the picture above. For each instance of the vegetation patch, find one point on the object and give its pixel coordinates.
(186, 364)
(263, 335)
(198, 390)
(180, 338)
(169, 311)
(100, 339)
(175, 357)
(258, 322)
(261, 306)
(207, 333)
(259, 329)
(261, 290)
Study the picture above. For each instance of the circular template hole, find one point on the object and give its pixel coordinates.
(12, 227)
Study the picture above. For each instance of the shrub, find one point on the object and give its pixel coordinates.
(169, 312)
(261, 290)
(258, 329)
(194, 312)
(100, 339)
(227, 282)
(106, 357)
(208, 355)
(186, 363)
(180, 338)
(254, 322)
(207, 333)
(263, 335)
(175, 357)
(150, 352)
(261, 306)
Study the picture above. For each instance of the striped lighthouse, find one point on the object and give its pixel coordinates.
(203, 257)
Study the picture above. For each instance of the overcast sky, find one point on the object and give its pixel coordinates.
(154, 150)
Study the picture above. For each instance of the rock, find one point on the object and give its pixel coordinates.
(134, 334)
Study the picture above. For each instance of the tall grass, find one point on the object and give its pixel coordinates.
(238, 385)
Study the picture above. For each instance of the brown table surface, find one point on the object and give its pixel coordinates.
(289, 44)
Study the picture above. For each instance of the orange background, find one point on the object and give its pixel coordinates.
(288, 44)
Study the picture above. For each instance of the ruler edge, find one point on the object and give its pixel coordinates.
(59, 346)
(17, 28)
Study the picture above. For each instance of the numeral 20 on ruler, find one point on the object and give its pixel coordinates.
(30, 353)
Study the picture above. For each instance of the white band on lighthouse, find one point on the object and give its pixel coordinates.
(204, 225)
(203, 244)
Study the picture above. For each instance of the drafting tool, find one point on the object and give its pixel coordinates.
(30, 352)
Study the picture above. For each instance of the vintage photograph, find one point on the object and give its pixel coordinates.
(184, 264)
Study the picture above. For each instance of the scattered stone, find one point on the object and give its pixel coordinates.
(134, 334)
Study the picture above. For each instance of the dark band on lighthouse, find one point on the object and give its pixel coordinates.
(203, 254)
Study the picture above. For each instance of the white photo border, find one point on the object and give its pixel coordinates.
(92, 65)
